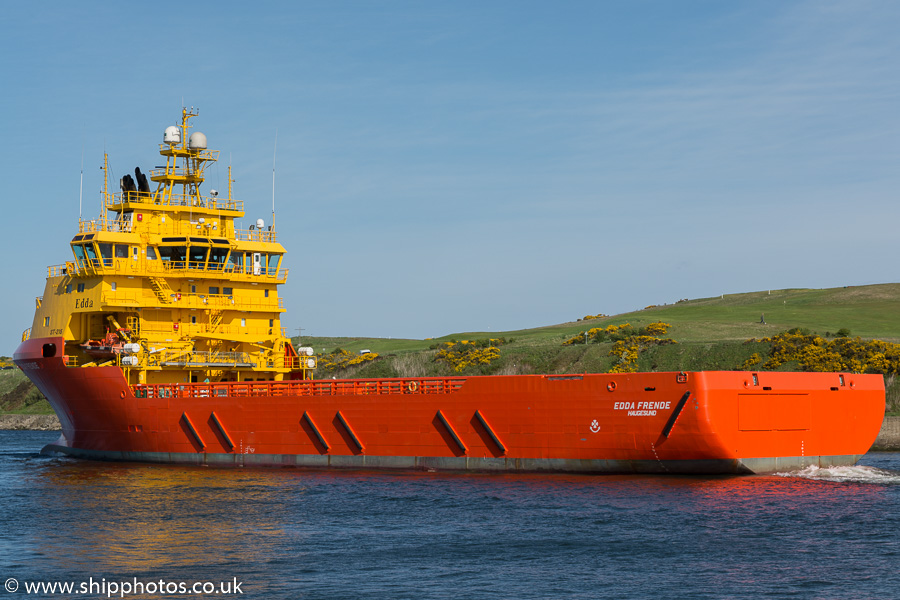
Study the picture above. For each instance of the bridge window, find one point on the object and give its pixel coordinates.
(106, 253)
(121, 251)
(217, 257)
(236, 262)
(78, 249)
(273, 264)
(198, 257)
(174, 254)
(213, 290)
(89, 252)
(151, 253)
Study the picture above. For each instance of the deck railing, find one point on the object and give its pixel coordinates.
(127, 266)
(196, 301)
(152, 198)
(255, 235)
(324, 387)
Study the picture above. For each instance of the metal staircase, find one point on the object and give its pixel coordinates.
(215, 319)
(161, 289)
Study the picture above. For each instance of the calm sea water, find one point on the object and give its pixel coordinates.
(286, 533)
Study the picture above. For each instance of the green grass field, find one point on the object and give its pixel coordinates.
(871, 311)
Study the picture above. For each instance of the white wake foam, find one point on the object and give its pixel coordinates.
(854, 474)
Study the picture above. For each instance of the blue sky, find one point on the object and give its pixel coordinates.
(476, 166)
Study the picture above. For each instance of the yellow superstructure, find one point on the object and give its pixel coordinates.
(164, 284)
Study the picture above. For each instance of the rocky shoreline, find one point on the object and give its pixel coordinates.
(32, 422)
(888, 439)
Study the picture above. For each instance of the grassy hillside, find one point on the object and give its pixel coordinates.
(712, 333)
(19, 396)
(871, 311)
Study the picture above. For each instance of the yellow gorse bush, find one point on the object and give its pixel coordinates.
(341, 359)
(465, 353)
(617, 332)
(628, 351)
(814, 353)
(628, 342)
(658, 328)
(596, 334)
(597, 316)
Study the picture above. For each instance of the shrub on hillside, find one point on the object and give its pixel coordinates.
(615, 333)
(627, 351)
(814, 353)
(589, 317)
(341, 359)
(466, 353)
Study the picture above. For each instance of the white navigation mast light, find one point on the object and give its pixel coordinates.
(172, 135)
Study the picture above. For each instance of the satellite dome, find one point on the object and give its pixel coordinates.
(172, 135)
(197, 141)
(260, 224)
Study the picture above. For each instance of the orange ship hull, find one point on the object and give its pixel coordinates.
(695, 422)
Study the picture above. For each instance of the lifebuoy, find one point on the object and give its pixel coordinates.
(412, 387)
(611, 386)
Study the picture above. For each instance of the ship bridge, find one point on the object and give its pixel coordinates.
(177, 274)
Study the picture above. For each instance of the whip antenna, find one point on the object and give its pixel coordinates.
(81, 183)
(274, 152)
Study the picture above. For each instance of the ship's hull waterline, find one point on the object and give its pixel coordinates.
(694, 422)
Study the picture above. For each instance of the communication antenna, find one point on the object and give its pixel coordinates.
(274, 152)
(81, 183)
(105, 169)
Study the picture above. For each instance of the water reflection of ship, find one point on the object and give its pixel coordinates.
(179, 521)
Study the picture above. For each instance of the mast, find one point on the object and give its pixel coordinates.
(104, 198)
(81, 184)
(274, 152)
